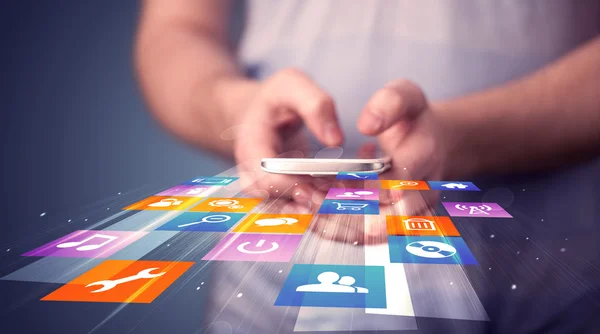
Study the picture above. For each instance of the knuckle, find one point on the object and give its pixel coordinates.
(320, 104)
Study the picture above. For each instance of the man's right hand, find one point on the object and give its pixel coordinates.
(272, 125)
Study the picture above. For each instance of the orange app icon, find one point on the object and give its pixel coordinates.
(274, 223)
(421, 225)
(227, 205)
(121, 281)
(404, 185)
(163, 203)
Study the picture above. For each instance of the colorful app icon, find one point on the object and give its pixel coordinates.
(227, 205)
(357, 176)
(404, 185)
(121, 281)
(429, 249)
(163, 203)
(353, 193)
(475, 209)
(349, 207)
(88, 244)
(203, 222)
(334, 286)
(255, 247)
(275, 223)
(212, 181)
(185, 191)
(453, 185)
(421, 225)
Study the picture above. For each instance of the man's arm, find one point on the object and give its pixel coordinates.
(187, 71)
(543, 120)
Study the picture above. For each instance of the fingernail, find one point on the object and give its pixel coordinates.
(332, 133)
(374, 122)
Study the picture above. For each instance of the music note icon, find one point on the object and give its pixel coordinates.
(71, 244)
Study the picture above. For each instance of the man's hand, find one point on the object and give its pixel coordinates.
(409, 132)
(272, 127)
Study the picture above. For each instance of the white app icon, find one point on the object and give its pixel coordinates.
(419, 224)
(474, 210)
(330, 281)
(166, 202)
(276, 221)
(226, 203)
(354, 194)
(212, 219)
(455, 186)
(242, 247)
(341, 206)
(430, 249)
(406, 184)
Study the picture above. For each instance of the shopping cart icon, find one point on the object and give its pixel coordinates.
(350, 206)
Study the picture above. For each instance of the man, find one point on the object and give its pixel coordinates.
(449, 89)
(514, 86)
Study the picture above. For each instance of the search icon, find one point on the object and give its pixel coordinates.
(213, 219)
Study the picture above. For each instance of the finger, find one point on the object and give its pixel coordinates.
(399, 100)
(294, 90)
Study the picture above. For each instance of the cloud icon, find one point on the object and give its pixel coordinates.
(276, 221)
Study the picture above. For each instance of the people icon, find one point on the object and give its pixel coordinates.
(330, 281)
(355, 194)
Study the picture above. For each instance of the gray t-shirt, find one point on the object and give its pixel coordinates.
(450, 48)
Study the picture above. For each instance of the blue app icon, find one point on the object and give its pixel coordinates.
(212, 181)
(203, 221)
(350, 207)
(432, 250)
(334, 286)
(453, 185)
(357, 176)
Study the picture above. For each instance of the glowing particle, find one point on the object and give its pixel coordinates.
(85, 219)
(295, 184)
(514, 287)
(107, 209)
(523, 189)
(198, 288)
(8, 250)
(276, 191)
(119, 194)
(451, 283)
(537, 258)
(42, 214)
(270, 186)
(324, 231)
(168, 245)
(542, 219)
(201, 283)
(355, 243)
(518, 252)
(527, 238)
(298, 193)
(490, 268)
(240, 294)
(492, 236)
(68, 221)
(563, 250)
(280, 271)
(566, 239)
(404, 168)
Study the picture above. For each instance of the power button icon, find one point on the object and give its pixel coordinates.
(242, 247)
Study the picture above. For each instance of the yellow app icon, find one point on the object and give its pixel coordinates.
(163, 203)
(274, 223)
(227, 205)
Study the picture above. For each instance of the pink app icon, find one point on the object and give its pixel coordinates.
(185, 191)
(354, 194)
(255, 247)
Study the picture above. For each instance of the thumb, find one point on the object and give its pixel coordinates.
(399, 100)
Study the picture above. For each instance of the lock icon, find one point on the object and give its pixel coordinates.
(166, 202)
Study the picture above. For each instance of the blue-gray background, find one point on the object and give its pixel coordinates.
(74, 127)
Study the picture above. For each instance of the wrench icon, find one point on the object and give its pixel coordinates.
(109, 284)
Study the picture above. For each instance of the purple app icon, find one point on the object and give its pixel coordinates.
(354, 194)
(185, 191)
(88, 244)
(475, 209)
(255, 247)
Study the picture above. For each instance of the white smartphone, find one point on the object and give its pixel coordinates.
(297, 166)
